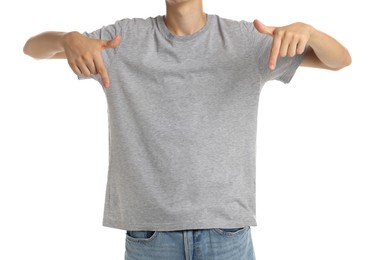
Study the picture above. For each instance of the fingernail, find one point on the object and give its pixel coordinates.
(271, 67)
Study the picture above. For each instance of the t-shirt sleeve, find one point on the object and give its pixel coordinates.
(259, 47)
(107, 32)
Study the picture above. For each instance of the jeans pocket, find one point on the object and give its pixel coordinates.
(141, 236)
(231, 231)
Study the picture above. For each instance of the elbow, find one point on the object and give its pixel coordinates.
(29, 49)
(26, 48)
(344, 63)
(348, 60)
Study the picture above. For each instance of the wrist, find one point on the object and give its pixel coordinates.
(67, 38)
(312, 35)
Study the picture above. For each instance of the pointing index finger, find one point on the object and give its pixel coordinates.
(101, 70)
(276, 44)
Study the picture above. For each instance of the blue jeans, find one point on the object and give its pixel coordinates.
(198, 244)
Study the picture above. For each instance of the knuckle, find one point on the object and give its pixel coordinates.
(71, 62)
(86, 57)
(290, 37)
(303, 38)
(101, 70)
(290, 34)
(94, 71)
(296, 37)
(78, 60)
(275, 49)
(280, 33)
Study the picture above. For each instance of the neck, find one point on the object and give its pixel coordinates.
(184, 18)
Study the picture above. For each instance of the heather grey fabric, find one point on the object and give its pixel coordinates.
(182, 114)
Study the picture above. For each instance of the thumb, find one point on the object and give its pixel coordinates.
(112, 43)
(260, 27)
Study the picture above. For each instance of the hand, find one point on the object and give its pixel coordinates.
(84, 54)
(287, 40)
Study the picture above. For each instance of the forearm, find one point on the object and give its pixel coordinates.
(44, 45)
(328, 50)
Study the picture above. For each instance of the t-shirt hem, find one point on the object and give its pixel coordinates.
(179, 226)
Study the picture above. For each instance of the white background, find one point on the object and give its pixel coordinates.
(315, 145)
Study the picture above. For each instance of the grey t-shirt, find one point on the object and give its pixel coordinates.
(182, 114)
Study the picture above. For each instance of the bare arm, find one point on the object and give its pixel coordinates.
(83, 53)
(325, 52)
(45, 46)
